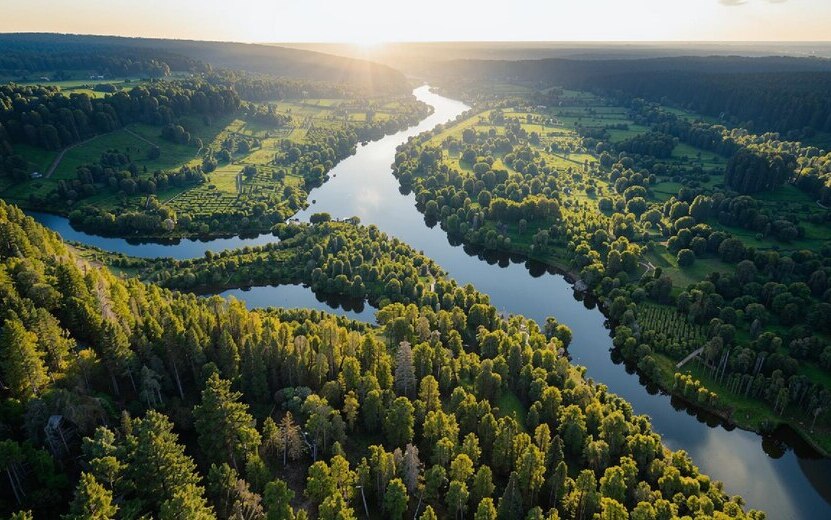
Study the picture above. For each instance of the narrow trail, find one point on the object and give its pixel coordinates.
(140, 138)
(57, 161)
(59, 158)
(692, 354)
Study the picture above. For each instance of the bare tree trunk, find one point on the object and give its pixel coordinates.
(15, 485)
(178, 381)
(115, 384)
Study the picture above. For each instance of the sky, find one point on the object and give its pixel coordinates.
(375, 21)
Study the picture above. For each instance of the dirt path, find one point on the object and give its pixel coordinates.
(141, 138)
(59, 158)
(692, 354)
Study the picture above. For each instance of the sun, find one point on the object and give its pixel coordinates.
(367, 43)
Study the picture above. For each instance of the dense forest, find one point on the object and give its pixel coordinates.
(45, 117)
(762, 94)
(180, 407)
(761, 317)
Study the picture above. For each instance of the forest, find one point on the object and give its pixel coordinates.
(500, 179)
(782, 94)
(177, 406)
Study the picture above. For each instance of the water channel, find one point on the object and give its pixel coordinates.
(777, 474)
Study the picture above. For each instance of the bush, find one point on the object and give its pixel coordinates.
(317, 218)
(686, 258)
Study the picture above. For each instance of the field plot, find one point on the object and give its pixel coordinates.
(253, 166)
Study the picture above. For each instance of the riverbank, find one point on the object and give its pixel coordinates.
(754, 416)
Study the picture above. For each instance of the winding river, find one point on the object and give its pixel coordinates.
(777, 474)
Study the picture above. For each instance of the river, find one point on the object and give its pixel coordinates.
(777, 475)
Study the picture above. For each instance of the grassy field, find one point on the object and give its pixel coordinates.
(226, 192)
(510, 406)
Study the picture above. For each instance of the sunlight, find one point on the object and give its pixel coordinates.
(367, 43)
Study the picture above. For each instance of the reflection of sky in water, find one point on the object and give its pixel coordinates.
(363, 186)
(185, 248)
(763, 478)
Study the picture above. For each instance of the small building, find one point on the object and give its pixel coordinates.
(61, 436)
(36, 175)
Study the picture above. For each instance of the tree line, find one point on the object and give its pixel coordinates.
(198, 408)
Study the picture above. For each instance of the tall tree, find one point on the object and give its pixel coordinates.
(22, 365)
(92, 501)
(284, 439)
(457, 496)
(277, 500)
(404, 369)
(188, 502)
(395, 499)
(226, 429)
(398, 423)
(157, 463)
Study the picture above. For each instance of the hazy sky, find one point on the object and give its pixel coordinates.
(368, 21)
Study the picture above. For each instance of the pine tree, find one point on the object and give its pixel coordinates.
(222, 484)
(350, 409)
(115, 352)
(485, 510)
(22, 365)
(253, 376)
(398, 423)
(277, 500)
(227, 355)
(52, 340)
(411, 468)
(157, 462)
(188, 502)
(92, 501)
(334, 507)
(226, 429)
(395, 499)
(482, 486)
(428, 514)
(531, 473)
(457, 496)
(510, 505)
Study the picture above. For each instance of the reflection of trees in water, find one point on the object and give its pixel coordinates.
(817, 469)
(347, 303)
(774, 448)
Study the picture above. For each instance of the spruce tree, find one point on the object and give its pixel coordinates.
(22, 365)
(92, 501)
(226, 429)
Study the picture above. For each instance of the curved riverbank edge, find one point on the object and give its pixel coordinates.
(579, 286)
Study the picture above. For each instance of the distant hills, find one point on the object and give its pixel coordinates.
(28, 50)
